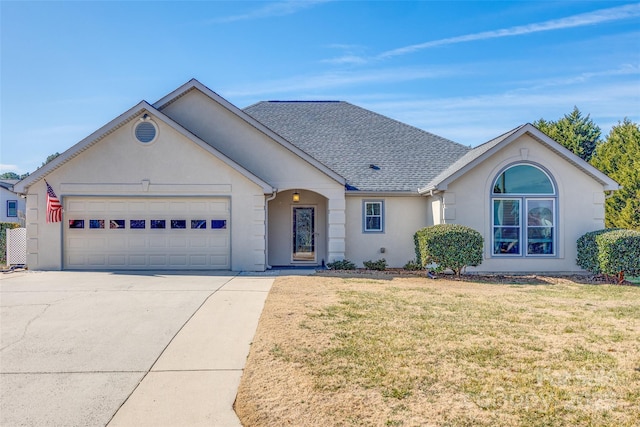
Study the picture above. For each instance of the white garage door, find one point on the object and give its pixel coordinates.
(146, 233)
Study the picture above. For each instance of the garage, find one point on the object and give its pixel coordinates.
(138, 233)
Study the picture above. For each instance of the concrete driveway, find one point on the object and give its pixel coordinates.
(91, 349)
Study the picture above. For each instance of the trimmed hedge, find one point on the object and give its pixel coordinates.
(610, 251)
(3, 239)
(379, 265)
(451, 246)
(341, 265)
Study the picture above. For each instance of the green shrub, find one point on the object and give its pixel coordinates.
(588, 250)
(450, 246)
(610, 251)
(3, 239)
(379, 265)
(341, 265)
(412, 265)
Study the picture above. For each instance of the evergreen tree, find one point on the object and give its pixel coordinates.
(577, 133)
(619, 157)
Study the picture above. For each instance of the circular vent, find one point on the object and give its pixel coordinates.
(145, 132)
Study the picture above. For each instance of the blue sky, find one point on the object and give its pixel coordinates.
(468, 71)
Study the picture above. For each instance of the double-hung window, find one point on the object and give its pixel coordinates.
(373, 216)
(12, 208)
(524, 220)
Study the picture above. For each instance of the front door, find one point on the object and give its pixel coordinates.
(304, 242)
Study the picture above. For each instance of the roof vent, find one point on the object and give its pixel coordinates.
(145, 131)
(374, 167)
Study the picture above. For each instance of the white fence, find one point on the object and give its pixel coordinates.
(17, 246)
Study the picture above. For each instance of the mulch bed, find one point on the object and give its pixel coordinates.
(525, 279)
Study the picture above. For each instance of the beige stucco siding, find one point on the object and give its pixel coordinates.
(247, 145)
(172, 166)
(403, 216)
(580, 205)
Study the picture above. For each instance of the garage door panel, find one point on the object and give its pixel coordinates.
(220, 259)
(96, 243)
(138, 260)
(198, 242)
(137, 207)
(177, 242)
(75, 206)
(77, 243)
(157, 260)
(218, 242)
(117, 260)
(96, 206)
(157, 242)
(76, 260)
(117, 233)
(137, 242)
(117, 207)
(117, 243)
(97, 260)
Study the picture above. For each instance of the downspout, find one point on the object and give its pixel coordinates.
(266, 226)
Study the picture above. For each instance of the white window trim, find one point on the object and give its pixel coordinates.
(364, 216)
(524, 201)
(15, 207)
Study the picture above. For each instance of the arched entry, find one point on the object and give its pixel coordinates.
(297, 229)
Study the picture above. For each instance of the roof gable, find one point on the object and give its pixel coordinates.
(194, 84)
(482, 152)
(138, 110)
(373, 152)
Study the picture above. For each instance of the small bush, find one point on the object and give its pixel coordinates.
(610, 251)
(341, 265)
(449, 246)
(412, 265)
(588, 250)
(379, 265)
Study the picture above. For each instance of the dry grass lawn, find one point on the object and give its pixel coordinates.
(365, 350)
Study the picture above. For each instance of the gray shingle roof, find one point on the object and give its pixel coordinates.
(350, 139)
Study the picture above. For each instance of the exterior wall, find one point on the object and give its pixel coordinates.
(6, 195)
(280, 241)
(264, 157)
(580, 206)
(403, 216)
(170, 166)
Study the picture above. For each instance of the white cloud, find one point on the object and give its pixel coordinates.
(345, 60)
(281, 8)
(330, 80)
(580, 20)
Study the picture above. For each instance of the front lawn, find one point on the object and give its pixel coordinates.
(367, 351)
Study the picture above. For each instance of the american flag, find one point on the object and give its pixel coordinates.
(54, 208)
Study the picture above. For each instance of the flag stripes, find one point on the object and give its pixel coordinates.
(54, 208)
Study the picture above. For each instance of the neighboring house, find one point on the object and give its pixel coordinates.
(12, 204)
(193, 182)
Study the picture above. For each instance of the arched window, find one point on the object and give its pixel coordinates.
(524, 223)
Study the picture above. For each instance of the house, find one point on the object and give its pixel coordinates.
(12, 204)
(194, 182)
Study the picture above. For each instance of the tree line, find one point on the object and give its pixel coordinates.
(617, 155)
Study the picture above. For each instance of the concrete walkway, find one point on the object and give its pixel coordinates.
(195, 379)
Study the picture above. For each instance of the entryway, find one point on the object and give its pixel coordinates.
(304, 245)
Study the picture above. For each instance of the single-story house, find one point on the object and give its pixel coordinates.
(194, 182)
(12, 204)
